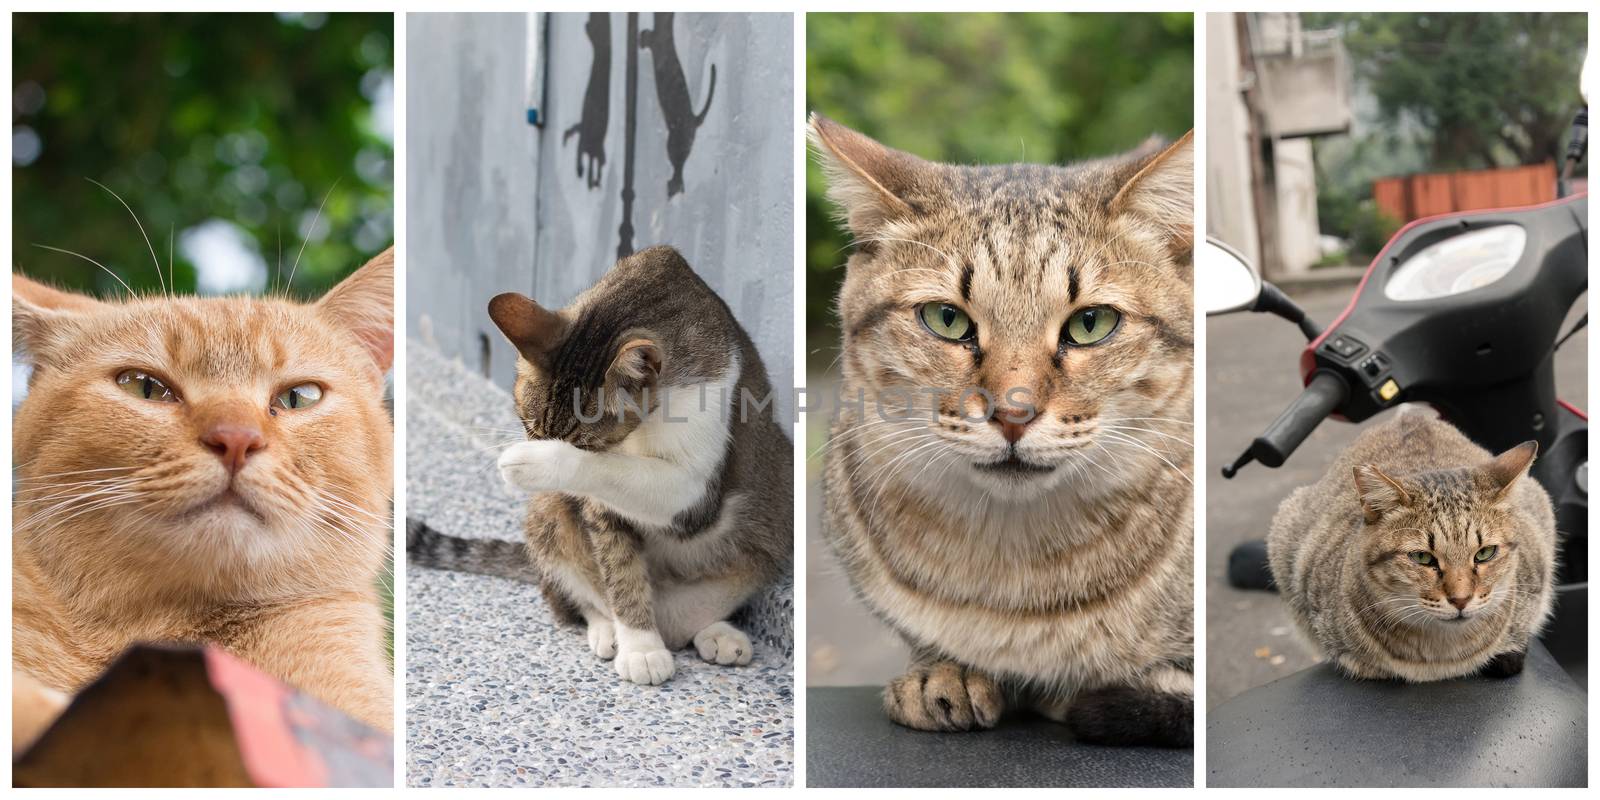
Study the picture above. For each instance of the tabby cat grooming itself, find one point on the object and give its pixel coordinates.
(212, 470)
(1418, 556)
(1035, 551)
(661, 488)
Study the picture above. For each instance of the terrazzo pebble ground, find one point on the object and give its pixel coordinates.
(497, 694)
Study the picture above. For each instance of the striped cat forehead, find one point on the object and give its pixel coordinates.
(999, 261)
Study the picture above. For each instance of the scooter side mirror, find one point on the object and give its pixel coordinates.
(1224, 280)
(1584, 78)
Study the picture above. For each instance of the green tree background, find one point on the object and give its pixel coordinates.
(248, 119)
(1444, 91)
(986, 88)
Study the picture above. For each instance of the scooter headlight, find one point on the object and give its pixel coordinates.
(1458, 264)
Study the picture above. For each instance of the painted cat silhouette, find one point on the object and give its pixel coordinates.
(591, 127)
(672, 91)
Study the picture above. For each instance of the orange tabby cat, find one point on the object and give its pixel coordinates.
(203, 470)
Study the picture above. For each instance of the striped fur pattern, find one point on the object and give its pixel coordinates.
(1418, 556)
(1024, 571)
(130, 525)
(660, 482)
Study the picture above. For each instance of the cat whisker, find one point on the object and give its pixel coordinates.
(1173, 420)
(107, 269)
(307, 238)
(140, 225)
(947, 257)
(1127, 440)
(1188, 442)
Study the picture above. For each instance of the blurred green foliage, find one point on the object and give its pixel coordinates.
(986, 88)
(252, 119)
(1483, 90)
(1444, 92)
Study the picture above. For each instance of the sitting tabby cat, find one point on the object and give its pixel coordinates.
(1436, 561)
(208, 470)
(1035, 551)
(661, 488)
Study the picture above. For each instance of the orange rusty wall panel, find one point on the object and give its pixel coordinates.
(1430, 195)
(1390, 196)
(1479, 189)
(1416, 196)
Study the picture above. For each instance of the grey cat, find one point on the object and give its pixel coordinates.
(661, 487)
(1419, 555)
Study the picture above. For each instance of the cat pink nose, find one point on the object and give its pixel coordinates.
(1461, 602)
(1013, 421)
(233, 443)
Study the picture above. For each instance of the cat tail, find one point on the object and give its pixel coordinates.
(1124, 716)
(711, 91)
(426, 547)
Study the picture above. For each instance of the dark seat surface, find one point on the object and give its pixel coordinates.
(1320, 728)
(849, 742)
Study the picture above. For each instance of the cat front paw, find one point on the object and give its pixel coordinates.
(1124, 716)
(1505, 665)
(642, 657)
(721, 643)
(545, 465)
(944, 696)
(603, 639)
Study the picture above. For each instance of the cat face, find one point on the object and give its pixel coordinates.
(590, 373)
(208, 439)
(1037, 319)
(1442, 546)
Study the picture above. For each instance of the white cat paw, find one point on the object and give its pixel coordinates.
(546, 465)
(724, 644)
(642, 657)
(645, 667)
(603, 639)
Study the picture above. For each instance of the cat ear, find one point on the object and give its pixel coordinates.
(1504, 470)
(634, 373)
(41, 314)
(526, 324)
(1380, 494)
(363, 304)
(637, 365)
(1162, 194)
(870, 183)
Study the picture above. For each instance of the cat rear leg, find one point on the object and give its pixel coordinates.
(571, 610)
(698, 613)
(941, 695)
(1157, 712)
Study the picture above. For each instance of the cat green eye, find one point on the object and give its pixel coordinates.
(1091, 325)
(1485, 553)
(947, 322)
(145, 386)
(306, 394)
(1422, 557)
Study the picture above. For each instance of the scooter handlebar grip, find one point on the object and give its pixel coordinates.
(1326, 392)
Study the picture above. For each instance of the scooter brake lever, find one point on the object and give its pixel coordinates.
(1233, 469)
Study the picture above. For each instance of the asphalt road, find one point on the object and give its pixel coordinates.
(1252, 374)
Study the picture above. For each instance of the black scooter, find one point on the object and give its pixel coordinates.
(1463, 312)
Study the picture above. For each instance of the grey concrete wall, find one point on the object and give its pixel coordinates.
(562, 209)
(471, 172)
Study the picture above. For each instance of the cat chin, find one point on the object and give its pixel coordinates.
(1013, 484)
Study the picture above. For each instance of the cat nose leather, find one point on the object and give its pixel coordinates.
(233, 443)
(1013, 421)
(1461, 602)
